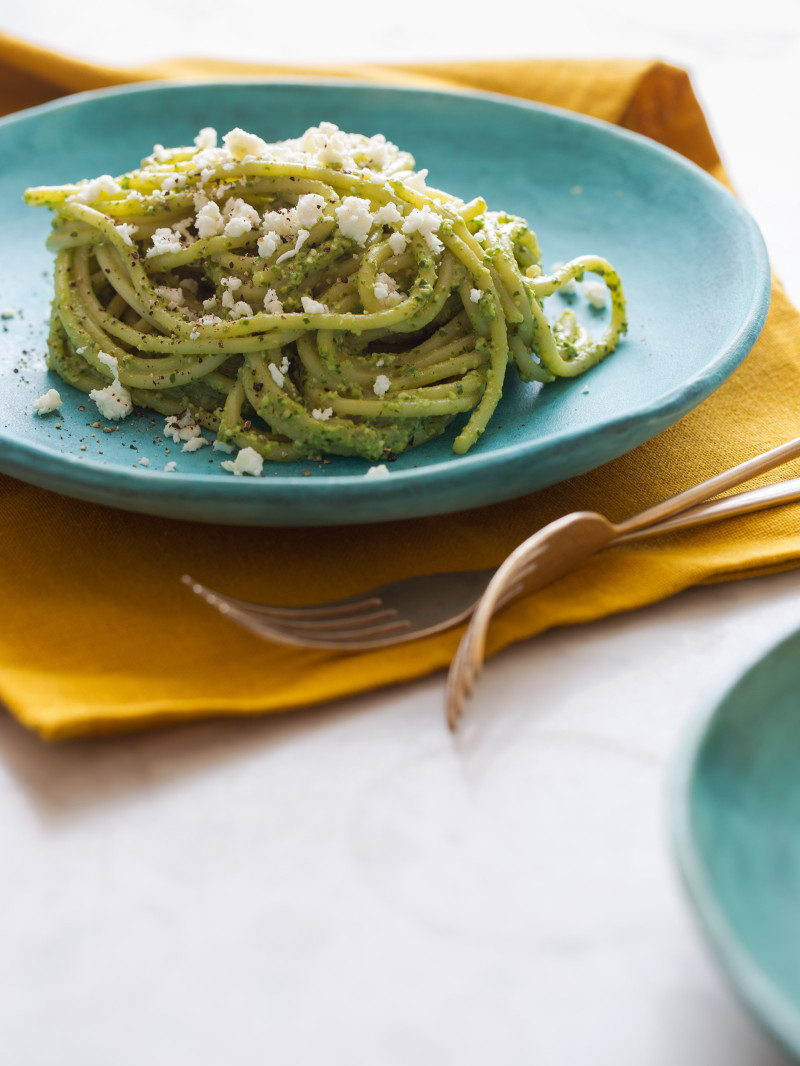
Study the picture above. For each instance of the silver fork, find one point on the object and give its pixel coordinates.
(419, 606)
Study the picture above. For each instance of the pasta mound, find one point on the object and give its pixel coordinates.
(307, 297)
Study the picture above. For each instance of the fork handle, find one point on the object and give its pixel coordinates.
(729, 506)
(726, 480)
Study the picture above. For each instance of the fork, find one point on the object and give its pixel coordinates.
(419, 606)
(558, 548)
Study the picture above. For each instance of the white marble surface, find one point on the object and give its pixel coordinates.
(347, 885)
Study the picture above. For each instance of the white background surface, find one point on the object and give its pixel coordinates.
(347, 885)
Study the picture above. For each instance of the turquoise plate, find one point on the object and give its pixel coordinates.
(737, 834)
(692, 261)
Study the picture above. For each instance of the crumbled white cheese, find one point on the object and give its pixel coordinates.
(595, 293)
(241, 217)
(386, 290)
(272, 305)
(144, 461)
(283, 222)
(381, 470)
(475, 295)
(194, 443)
(417, 181)
(309, 209)
(388, 213)
(173, 297)
(241, 144)
(206, 138)
(126, 231)
(194, 335)
(354, 218)
(379, 151)
(322, 414)
(114, 401)
(381, 385)
(209, 222)
(426, 223)
(47, 403)
(335, 150)
(324, 128)
(268, 244)
(222, 446)
(248, 461)
(316, 139)
(232, 283)
(235, 205)
(397, 242)
(240, 309)
(302, 237)
(173, 181)
(277, 374)
(110, 361)
(171, 467)
(312, 307)
(92, 190)
(164, 240)
(207, 161)
(238, 226)
(181, 427)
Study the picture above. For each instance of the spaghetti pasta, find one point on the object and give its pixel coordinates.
(307, 297)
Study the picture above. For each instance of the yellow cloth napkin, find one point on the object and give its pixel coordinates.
(99, 636)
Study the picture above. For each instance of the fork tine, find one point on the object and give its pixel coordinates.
(336, 609)
(373, 634)
(349, 623)
(301, 636)
(319, 627)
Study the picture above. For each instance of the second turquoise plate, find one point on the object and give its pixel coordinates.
(692, 261)
(737, 820)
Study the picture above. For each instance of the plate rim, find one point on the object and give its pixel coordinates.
(767, 1002)
(39, 465)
